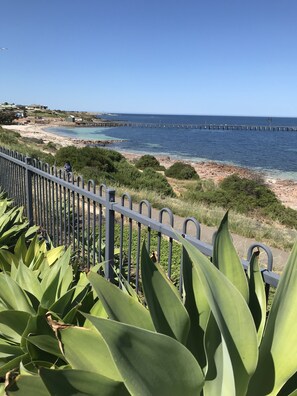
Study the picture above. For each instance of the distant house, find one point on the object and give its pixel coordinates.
(36, 107)
(7, 106)
(70, 118)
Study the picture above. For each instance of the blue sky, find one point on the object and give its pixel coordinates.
(227, 57)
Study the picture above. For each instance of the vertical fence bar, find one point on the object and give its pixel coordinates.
(69, 214)
(57, 237)
(94, 226)
(83, 223)
(109, 235)
(29, 196)
(53, 214)
(48, 207)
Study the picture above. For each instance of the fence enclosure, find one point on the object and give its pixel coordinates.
(99, 226)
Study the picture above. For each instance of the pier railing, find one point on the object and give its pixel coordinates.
(100, 226)
(225, 127)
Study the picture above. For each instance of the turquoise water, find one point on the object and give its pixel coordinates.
(83, 133)
(274, 152)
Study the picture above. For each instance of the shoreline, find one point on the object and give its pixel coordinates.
(285, 190)
(40, 132)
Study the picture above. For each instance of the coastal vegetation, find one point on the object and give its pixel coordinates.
(255, 211)
(28, 146)
(148, 161)
(110, 167)
(247, 196)
(182, 171)
(6, 117)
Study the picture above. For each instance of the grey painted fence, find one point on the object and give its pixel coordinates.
(98, 225)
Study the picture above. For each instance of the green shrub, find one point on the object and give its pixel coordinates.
(181, 171)
(7, 117)
(149, 179)
(243, 196)
(88, 156)
(98, 175)
(8, 137)
(51, 146)
(246, 194)
(152, 180)
(148, 161)
(128, 175)
(36, 154)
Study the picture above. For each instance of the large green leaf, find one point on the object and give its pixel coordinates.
(197, 307)
(11, 365)
(278, 350)
(77, 382)
(46, 343)
(63, 304)
(232, 316)
(36, 325)
(257, 301)
(118, 305)
(81, 284)
(9, 352)
(98, 311)
(86, 350)
(150, 363)
(66, 279)
(219, 373)
(49, 297)
(6, 260)
(28, 281)
(54, 254)
(12, 296)
(60, 266)
(290, 387)
(20, 249)
(30, 232)
(24, 385)
(166, 308)
(13, 324)
(226, 259)
(31, 252)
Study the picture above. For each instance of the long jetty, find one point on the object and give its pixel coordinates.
(226, 127)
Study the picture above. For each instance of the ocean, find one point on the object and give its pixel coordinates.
(271, 152)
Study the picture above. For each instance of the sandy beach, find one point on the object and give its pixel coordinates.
(285, 190)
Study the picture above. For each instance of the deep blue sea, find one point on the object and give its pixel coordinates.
(274, 152)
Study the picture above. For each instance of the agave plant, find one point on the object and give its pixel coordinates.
(214, 341)
(12, 223)
(37, 284)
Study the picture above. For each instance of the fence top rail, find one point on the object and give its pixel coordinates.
(10, 156)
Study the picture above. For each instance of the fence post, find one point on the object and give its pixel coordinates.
(29, 195)
(109, 235)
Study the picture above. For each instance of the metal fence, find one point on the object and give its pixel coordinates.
(99, 226)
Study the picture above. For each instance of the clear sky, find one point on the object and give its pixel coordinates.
(223, 57)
